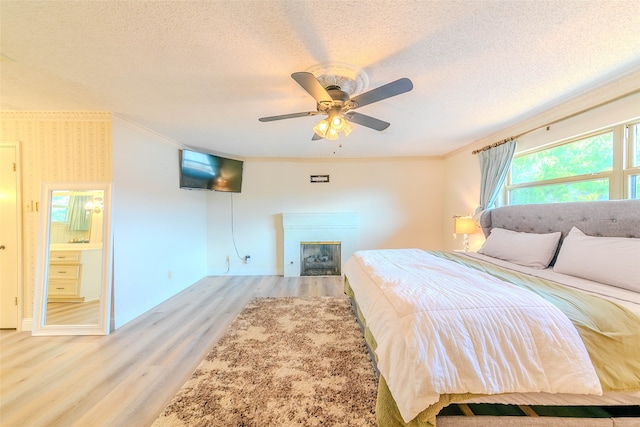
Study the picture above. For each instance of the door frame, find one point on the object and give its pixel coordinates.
(20, 254)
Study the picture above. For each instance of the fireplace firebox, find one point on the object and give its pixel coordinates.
(320, 259)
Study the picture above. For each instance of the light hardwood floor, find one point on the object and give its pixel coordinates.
(128, 377)
(73, 313)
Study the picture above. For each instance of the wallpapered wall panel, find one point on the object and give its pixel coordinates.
(55, 146)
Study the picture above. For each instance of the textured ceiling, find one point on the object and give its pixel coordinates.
(201, 73)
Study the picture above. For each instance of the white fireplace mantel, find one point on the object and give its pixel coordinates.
(316, 227)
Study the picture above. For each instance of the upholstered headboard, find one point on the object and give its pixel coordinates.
(614, 218)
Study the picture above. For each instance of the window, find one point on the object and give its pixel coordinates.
(634, 187)
(60, 206)
(634, 142)
(632, 174)
(585, 168)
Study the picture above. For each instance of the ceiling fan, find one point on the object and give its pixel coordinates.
(338, 105)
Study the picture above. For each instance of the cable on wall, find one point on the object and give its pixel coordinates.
(233, 234)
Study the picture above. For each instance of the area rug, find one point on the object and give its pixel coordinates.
(282, 362)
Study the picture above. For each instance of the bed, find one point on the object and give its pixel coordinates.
(546, 313)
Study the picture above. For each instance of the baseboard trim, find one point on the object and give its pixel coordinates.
(27, 324)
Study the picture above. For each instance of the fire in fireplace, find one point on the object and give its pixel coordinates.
(320, 259)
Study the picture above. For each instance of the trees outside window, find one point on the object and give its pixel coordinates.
(600, 166)
(60, 206)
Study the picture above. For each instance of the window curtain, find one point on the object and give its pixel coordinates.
(494, 166)
(79, 217)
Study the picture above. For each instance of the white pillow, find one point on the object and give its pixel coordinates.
(611, 260)
(528, 249)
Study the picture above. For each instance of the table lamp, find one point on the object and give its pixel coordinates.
(464, 225)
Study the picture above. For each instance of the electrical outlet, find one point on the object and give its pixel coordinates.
(247, 258)
(169, 274)
(227, 258)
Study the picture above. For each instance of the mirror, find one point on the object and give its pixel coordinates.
(73, 274)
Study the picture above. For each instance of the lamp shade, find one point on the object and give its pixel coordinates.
(321, 128)
(464, 225)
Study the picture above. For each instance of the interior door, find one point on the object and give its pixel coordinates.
(9, 230)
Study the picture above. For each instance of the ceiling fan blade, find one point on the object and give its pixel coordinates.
(368, 121)
(316, 137)
(309, 83)
(288, 116)
(387, 91)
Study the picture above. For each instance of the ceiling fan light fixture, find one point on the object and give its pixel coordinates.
(346, 127)
(330, 127)
(332, 134)
(339, 124)
(321, 128)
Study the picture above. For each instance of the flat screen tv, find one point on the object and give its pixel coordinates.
(203, 171)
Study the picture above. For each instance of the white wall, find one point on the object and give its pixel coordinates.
(159, 230)
(461, 196)
(399, 202)
(462, 170)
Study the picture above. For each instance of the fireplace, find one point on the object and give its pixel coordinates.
(324, 227)
(320, 259)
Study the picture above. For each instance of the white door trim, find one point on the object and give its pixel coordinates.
(20, 254)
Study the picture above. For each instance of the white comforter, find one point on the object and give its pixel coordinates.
(444, 328)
